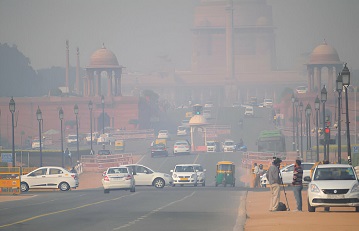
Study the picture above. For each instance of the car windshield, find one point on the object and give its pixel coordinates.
(225, 167)
(184, 169)
(334, 174)
(104, 152)
(160, 145)
(211, 144)
(229, 143)
(198, 168)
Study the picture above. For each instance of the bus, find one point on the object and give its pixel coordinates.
(271, 141)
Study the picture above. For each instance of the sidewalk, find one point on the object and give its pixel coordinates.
(259, 218)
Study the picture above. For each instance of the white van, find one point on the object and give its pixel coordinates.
(248, 111)
(268, 103)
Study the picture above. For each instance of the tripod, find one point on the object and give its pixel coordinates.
(285, 193)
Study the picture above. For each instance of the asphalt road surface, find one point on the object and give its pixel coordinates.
(170, 208)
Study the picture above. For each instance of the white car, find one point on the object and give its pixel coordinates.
(144, 176)
(49, 178)
(249, 111)
(36, 144)
(71, 140)
(182, 131)
(333, 185)
(116, 178)
(201, 176)
(181, 146)
(184, 174)
(163, 134)
(268, 103)
(301, 90)
(212, 146)
(287, 173)
(228, 146)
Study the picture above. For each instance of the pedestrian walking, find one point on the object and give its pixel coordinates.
(298, 184)
(274, 184)
(256, 176)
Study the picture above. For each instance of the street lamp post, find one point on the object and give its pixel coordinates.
(301, 129)
(296, 104)
(339, 88)
(293, 100)
(39, 119)
(323, 98)
(90, 105)
(346, 82)
(317, 106)
(308, 112)
(103, 114)
(76, 110)
(61, 117)
(12, 110)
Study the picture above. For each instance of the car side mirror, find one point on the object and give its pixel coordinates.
(104, 173)
(307, 179)
(171, 171)
(204, 170)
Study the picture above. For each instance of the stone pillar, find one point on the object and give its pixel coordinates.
(318, 74)
(229, 41)
(330, 79)
(109, 83)
(78, 71)
(67, 66)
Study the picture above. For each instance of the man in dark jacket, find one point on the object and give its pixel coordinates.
(274, 183)
(297, 184)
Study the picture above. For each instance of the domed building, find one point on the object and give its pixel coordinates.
(322, 57)
(103, 61)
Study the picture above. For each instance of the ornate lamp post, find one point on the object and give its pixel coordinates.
(293, 100)
(323, 98)
(90, 105)
(76, 111)
(301, 129)
(103, 113)
(39, 119)
(61, 117)
(339, 88)
(317, 107)
(346, 82)
(12, 110)
(308, 112)
(296, 104)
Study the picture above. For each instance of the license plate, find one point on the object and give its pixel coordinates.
(184, 179)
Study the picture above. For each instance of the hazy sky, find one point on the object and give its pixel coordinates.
(139, 31)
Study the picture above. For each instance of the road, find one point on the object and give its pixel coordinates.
(170, 208)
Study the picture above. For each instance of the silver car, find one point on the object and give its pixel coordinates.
(116, 178)
(333, 185)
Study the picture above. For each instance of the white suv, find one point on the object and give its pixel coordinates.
(184, 174)
(144, 176)
(229, 146)
(249, 111)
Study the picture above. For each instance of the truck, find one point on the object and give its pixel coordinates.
(271, 141)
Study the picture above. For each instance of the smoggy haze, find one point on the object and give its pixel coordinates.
(139, 31)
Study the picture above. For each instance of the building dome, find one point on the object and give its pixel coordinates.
(197, 120)
(324, 54)
(103, 58)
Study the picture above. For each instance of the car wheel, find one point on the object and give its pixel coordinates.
(310, 208)
(357, 209)
(181, 185)
(159, 183)
(195, 185)
(204, 183)
(173, 185)
(133, 189)
(63, 186)
(106, 191)
(24, 187)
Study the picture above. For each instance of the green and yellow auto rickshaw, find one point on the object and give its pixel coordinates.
(226, 173)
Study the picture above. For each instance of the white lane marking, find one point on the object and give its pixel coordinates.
(153, 211)
(140, 159)
(195, 160)
(64, 210)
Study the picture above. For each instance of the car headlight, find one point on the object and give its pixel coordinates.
(174, 175)
(355, 188)
(193, 175)
(314, 188)
(201, 174)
